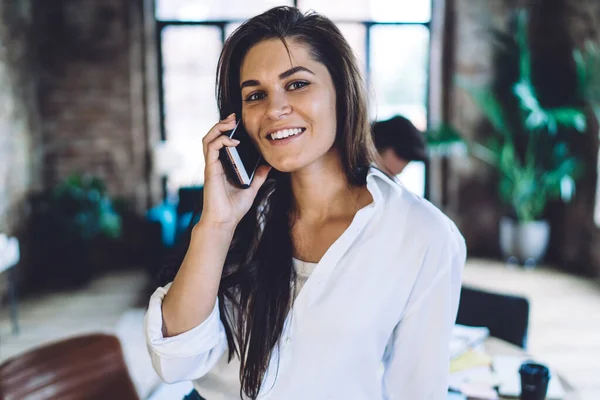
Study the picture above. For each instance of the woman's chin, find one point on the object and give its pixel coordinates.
(295, 163)
(286, 165)
(286, 169)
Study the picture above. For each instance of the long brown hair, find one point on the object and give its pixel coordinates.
(255, 290)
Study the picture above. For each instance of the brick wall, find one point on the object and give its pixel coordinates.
(91, 93)
(73, 99)
(74, 93)
(20, 139)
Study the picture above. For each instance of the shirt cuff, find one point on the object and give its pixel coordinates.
(196, 341)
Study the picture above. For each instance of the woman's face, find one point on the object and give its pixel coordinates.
(288, 104)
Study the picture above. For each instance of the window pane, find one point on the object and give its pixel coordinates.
(355, 35)
(399, 83)
(198, 10)
(413, 177)
(339, 9)
(399, 77)
(190, 57)
(229, 28)
(376, 10)
(401, 10)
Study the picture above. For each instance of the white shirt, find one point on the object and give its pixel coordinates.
(385, 293)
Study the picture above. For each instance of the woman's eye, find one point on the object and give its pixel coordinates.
(255, 96)
(297, 85)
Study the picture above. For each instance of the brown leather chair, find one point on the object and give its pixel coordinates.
(88, 367)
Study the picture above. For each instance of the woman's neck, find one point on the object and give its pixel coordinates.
(321, 190)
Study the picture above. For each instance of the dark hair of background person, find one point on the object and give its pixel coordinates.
(399, 134)
(258, 271)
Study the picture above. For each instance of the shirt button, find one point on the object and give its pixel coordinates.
(288, 340)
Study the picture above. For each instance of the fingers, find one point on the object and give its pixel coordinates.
(217, 130)
(212, 149)
(260, 176)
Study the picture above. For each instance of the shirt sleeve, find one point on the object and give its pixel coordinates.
(417, 357)
(186, 356)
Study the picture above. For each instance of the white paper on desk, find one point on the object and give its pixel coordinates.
(477, 375)
(466, 337)
(507, 370)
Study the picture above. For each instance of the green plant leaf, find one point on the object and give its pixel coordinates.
(526, 94)
(569, 117)
(444, 139)
(488, 104)
(442, 135)
(522, 41)
(539, 118)
(587, 61)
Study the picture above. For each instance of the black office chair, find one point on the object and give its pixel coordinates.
(506, 316)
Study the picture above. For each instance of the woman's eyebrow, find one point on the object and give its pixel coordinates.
(283, 75)
(292, 71)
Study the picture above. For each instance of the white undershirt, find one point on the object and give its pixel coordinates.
(303, 271)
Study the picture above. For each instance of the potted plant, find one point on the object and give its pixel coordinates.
(529, 149)
(68, 222)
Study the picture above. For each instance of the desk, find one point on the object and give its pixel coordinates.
(497, 347)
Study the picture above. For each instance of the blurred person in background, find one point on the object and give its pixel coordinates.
(398, 142)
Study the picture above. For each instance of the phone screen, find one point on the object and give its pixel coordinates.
(244, 158)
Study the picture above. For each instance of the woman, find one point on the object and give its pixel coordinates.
(304, 286)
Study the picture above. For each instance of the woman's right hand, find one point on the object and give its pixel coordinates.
(224, 203)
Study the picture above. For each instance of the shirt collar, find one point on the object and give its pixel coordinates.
(380, 185)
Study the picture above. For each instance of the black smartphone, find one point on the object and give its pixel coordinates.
(240, 162)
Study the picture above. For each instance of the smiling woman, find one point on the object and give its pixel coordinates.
(325, 268)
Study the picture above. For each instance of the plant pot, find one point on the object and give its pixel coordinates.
(507, 237)
(524, 242)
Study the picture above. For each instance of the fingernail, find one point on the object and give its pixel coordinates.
(236, 141)
(231, 115)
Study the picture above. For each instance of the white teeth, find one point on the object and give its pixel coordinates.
(285, 133)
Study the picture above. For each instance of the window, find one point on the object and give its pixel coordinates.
(389, 37)
(190, 54)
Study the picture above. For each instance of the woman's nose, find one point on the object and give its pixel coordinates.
(278, 106)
